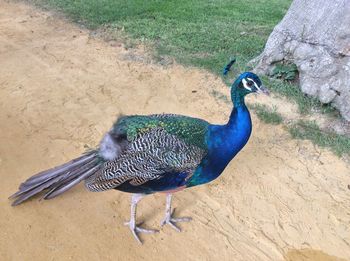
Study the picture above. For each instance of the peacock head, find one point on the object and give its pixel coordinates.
(246, 83)
(249, 82)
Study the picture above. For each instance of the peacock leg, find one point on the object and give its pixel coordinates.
(169, 219)
(132, 223)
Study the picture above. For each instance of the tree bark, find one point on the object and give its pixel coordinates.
(315, 35)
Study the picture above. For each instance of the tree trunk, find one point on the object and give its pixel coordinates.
(315, 35)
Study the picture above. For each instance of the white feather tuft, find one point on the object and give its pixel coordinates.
(109, 149)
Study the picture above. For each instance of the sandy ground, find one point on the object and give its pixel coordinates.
(60, 90)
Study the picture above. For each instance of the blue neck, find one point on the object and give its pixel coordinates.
(237, 95)
(224, 141)
(236, 132)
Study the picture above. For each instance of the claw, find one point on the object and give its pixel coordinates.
(136, 229)
(170, 220)
(132, 223)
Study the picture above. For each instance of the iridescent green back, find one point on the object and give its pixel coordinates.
(191, 130)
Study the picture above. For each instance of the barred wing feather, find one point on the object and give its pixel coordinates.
(157, 146)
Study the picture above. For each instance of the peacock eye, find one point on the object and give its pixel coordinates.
(250, 83)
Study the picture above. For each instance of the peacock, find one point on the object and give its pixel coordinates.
(154, 153)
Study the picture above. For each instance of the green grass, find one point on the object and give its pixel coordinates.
(307, 130)
(203, 33)
(266, 114)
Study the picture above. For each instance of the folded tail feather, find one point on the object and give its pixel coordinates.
(59, 179)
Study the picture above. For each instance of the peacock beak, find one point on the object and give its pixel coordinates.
(263, 89)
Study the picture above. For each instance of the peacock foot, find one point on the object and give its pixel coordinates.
(135, 230)
(170, 220)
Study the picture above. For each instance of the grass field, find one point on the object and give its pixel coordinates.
(308, 130)
(267, 115)
(202, 33)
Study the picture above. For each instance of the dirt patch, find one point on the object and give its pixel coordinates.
(61, 89)
(310, 255)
